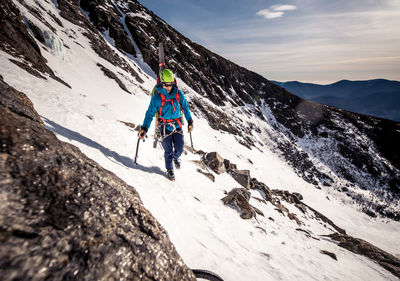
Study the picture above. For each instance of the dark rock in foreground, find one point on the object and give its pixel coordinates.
(63, 217)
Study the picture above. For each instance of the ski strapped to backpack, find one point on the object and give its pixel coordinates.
(161, 123)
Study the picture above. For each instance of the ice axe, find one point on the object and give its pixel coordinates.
(137, 149)
(191, 140)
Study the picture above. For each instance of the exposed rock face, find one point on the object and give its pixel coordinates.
(70, 10)
(63, 217)
(361, 247)
(108, 20)
(16, 41)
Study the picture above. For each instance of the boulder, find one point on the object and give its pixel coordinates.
(239, 197)
(255, 184)
(229, 165)
(242, 177)
(215, 162)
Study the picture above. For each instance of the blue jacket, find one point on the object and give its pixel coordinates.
(168, 111)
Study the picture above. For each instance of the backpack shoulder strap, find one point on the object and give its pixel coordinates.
(162, 96)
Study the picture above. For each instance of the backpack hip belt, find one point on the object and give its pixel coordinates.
(163, 123)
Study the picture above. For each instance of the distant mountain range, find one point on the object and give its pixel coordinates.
(378, 97)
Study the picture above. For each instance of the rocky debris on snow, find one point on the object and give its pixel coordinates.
(63, 217)
(239, 197)
(255, 184)
(203, 168)
(220, 165)
(323, 218)
(307, 233)
(208, 175)
(215, 162)
(128, 124)
(332, 255)
(362, 247)
(28, 69)
(112, 75)
(295, 218)
(229, 166)
(241, 176)
(292, 198)
(370, 213)
(283, 210)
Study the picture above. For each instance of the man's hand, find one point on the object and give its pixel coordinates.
(142, 133)
(190, 126)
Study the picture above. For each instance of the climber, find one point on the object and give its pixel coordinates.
(169, 102)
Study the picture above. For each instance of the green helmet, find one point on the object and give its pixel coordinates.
(167, 76)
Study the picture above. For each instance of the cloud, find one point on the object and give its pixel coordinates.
(275, 11)
(283, 7)
(268, 14)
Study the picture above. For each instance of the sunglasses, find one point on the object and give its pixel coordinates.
(167, 84)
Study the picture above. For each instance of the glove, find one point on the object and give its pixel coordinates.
(190, 126)
(142, 132)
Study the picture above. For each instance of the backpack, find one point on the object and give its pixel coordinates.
(163, 100)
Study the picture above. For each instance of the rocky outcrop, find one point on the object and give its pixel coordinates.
(330, 254)
(239, 197)
(241, 176)
(362, 247)
(70, 10)
(215, 162)
(16, 41)
(108, 20)
(112, 75)
(63, 217)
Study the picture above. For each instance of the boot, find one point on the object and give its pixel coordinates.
(177, 163)
(171, 175)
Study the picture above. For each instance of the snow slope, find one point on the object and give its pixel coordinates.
(206, 233)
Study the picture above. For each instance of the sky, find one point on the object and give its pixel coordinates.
(317, 41)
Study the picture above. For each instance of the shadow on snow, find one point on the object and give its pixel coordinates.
(112, 155)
